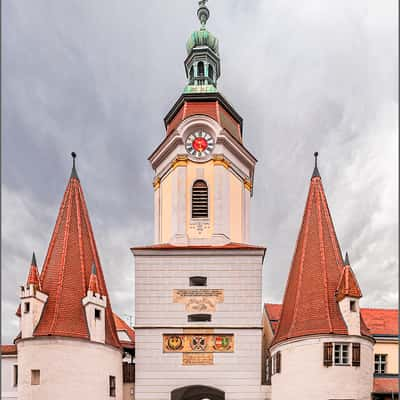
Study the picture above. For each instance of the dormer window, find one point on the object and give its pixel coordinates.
(27, 307)
(200, 199)
(353, 306)
(97, 313)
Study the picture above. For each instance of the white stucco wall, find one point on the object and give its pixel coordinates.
(239, 274)
(69, 369)
(8, 390)
(303, 375)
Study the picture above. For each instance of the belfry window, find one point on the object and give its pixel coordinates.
(211, 72)
(200, 68)
(191, 74)
(200, 200)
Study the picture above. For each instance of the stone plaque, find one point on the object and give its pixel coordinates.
(198, 343)
(197, 359)
(198, 300)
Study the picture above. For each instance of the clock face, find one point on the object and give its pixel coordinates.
(199, 144)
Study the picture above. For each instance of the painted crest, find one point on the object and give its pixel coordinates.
(198, 343)
(175, 343)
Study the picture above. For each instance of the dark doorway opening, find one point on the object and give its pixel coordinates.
(197, 392)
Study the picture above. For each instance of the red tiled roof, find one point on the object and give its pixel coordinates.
(168, 246)
(348, 285)
(66, 271)
(212, 109)
(386, 385)
(33, 276)
(121, 325)
(309, 305)
(379, 321)
(8, 349)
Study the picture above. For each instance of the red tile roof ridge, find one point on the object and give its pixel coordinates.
(8, 349)
(348, 285)
(230, 245)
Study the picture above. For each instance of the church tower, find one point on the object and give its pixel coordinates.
(203, 172)
(198, 302)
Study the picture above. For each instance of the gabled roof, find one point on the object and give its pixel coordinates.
(67, 268)
(121, 325)
(310, 305)
(348, 285)
(8, 349)
(379, 321)
(388, 385)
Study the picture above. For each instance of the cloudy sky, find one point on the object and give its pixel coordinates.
(97, 77)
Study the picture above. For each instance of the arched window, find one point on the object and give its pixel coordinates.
(191, 74)
(200, 199)
(211, 72)
(200, 68)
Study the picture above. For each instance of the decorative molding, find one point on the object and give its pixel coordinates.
(156, 183)
(179, 161)
(248, 185)
(222, 161)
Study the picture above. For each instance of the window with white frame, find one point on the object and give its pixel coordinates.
(380, 363)
(341, 354)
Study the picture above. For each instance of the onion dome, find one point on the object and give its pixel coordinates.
(202, 37)
(202, 63)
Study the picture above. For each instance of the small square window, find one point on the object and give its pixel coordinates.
(27, 307)
(380, 363)
(35, 376)
(112, 386)
(97, 313)
(353, 306)
(198, 281)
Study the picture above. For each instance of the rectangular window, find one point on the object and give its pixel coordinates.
(198, 281)
(328, 354)
(353, 307)
(341, 354)
(380, 363)
(356, 354)
(112, 386)
(15, 375)
(199, 318)
(268, 370)
(27, 307)
(35, 376)
(97, 313)
(278, 362)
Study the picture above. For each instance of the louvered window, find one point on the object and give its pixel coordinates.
(200, 200)
(328, 353)
(356, 354)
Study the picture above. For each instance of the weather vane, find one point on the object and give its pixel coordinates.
(203, 13)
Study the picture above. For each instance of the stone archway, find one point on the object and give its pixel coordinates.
(197, 392)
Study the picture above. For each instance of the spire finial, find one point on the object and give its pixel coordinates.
(33, 262)
(74, 174)
(316, 172)
(346, 259)
(203, 13)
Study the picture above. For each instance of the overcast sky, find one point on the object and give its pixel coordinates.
(97, 77)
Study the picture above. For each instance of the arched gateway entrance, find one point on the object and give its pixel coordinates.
(197, 392)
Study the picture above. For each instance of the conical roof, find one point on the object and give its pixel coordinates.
(348, 285)
(67, 269)
(33, 275)
(310, 305)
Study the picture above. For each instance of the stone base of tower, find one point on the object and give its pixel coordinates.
(69, 369)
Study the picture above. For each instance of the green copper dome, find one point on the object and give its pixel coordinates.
(202, 38)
